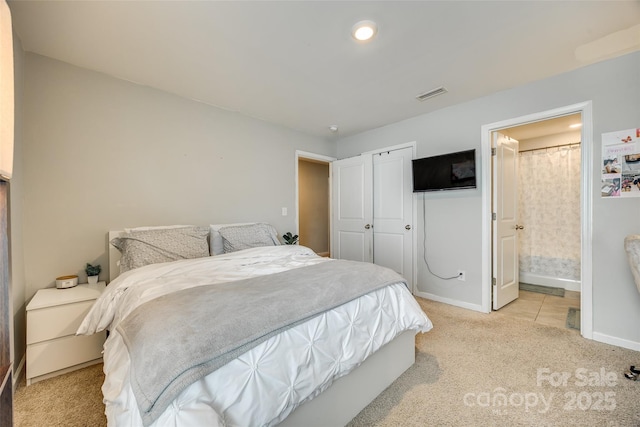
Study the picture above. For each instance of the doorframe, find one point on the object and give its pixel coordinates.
(586, 204)
(320, 157)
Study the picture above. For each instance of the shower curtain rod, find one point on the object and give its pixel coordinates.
(553, 146)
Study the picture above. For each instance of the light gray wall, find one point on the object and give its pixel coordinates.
(454, 218)
(101, 153)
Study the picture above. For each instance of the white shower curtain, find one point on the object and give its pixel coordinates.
(549, 209)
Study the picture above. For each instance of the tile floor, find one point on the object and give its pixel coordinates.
(545, 309)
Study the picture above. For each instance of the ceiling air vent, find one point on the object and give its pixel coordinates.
(431, 94)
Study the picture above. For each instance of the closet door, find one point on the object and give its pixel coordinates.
(373, 210)
(393, 211)
(352, 209)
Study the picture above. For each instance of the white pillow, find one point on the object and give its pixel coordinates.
(216, 244)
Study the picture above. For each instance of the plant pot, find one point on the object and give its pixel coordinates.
(92, 280)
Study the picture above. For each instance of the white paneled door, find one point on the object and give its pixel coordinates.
(373, 210)
(505, 227)
(393, 211)
(352, 209)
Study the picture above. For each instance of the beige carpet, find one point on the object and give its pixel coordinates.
(464, 366)
(470, 360)
(73, 399)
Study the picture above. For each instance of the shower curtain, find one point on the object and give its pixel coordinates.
(549, 209)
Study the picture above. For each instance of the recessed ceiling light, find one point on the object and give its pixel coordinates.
(364, 30)
(576, 125)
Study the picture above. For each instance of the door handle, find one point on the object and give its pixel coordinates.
(368, 226)
(519, 227)
(407, 227)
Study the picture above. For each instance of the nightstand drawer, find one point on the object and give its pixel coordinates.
(55, 322)
(50, 356)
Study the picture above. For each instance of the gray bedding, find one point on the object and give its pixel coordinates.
(176, 339)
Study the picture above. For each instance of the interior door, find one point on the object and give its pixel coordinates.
(505, 228)
(352, 209)
(393, 211)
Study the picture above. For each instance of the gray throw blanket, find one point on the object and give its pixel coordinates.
(176, 339)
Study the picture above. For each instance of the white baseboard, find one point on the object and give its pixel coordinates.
(620, 342)
(462, 304)
(554, 282)
(17, 373)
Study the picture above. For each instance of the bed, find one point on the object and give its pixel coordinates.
(321, 369)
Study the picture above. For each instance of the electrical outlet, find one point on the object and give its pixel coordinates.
(461, 275)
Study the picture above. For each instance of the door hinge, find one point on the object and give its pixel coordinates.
(493, 151)
(493, 281)
(493, 216)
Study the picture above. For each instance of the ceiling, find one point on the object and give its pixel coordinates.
(294, 63)
(544, 127)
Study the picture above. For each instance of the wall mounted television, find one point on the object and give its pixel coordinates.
(452, 171)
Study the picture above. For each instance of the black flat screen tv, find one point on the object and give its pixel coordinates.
(452, 171)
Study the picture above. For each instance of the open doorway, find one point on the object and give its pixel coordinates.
(313, 195)
(547, 231)
(583, 110)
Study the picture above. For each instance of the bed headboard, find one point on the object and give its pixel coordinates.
(114, 255)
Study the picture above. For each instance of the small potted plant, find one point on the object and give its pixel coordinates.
(290, 239)
(92, 273)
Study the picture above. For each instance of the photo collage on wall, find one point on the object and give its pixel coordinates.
(621, 163)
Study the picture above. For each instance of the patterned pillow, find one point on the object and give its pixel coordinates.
(143, 247)
(240, 237)
(216, 244)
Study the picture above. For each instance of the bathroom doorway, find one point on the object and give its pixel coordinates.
(548, 221)
(489, 284)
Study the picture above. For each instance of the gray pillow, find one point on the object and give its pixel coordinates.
(240, 237)
(140, 248)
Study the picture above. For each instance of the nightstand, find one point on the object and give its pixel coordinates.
(53, 317)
